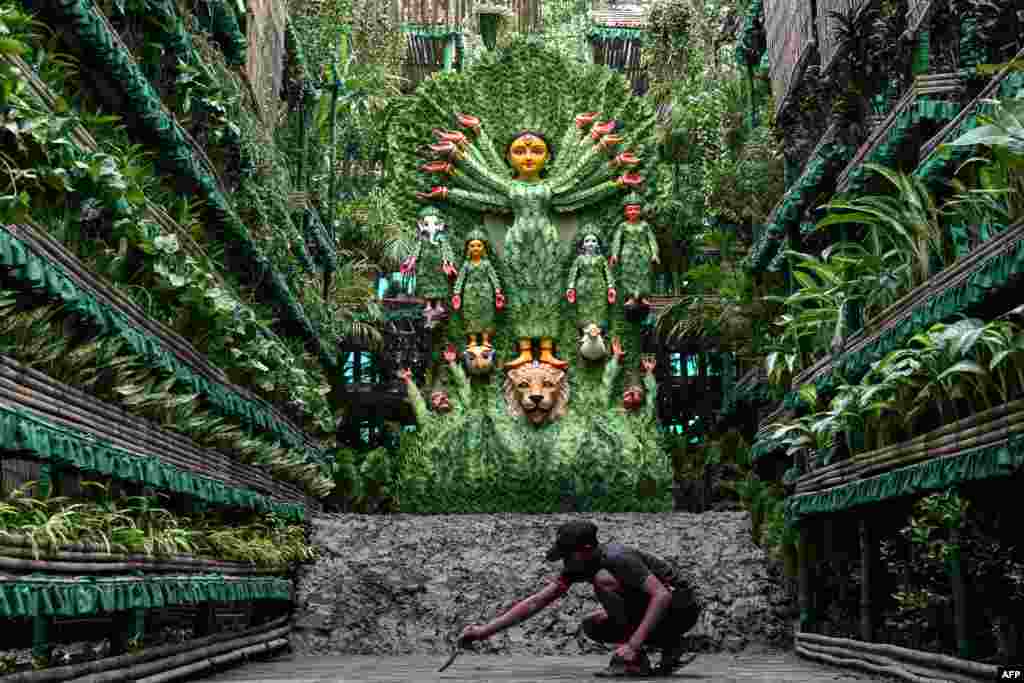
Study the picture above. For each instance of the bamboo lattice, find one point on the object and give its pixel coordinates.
(952, 276)
(790, 35)
(455, 13)
(828, 45)
(918, 12)
(622, 55)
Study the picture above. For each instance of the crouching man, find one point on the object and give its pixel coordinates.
(646, 603)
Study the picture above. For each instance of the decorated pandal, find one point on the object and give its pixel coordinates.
(535, 303)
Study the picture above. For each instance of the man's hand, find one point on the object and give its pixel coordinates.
(448, 269)
(570, 295)
(408, 266)
(456, 302)
(405, 374)
(612, 260)
(472, 634)
(611, 295)
(499, 300)
(626, 651)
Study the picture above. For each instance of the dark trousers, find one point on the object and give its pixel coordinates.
(624, 616)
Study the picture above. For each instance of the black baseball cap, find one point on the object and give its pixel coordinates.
(571, 536)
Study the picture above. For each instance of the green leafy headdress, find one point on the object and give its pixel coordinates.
(633, 198)
(430, 211)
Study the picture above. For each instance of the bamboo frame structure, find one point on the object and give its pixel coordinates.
(906, 664)
(951, 276)
(34, 392)
(158, 660)
(977, 431)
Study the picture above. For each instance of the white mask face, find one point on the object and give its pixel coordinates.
(430, 227)
(590, 245)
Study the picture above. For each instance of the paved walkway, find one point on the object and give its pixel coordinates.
(472, 668)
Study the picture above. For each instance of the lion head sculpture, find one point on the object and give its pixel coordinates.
(538, 391)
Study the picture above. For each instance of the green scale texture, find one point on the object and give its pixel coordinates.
(591, 277)
(477, 285)
(480, 457)
(533, 253)
(431, 280)
(634, 246)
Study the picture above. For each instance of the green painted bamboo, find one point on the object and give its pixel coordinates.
(804, 598)
(867, 564)
(983, 435)
(41, 637)
(964, 427)
(961, 611)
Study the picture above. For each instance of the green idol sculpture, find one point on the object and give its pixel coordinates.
(532, 194)
(519, 185)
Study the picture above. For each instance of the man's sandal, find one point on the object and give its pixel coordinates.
(673, 662)
(620, 668)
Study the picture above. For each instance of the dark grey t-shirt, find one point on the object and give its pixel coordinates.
(628, 565)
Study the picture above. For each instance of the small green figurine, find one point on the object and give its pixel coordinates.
(480, 181)
(478, 292)
(432, 262)
(636, 248)
(591, 283)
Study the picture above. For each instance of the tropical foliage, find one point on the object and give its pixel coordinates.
(139, 525)
(943, 374)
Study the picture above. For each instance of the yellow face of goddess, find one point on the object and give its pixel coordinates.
(475, 249)
(528, 154)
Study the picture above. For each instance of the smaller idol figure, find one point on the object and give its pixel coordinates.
(432, 261)
(635, 246)
(641, 393)
(638, 392)
(440, 401)
(478, 294)
(592, 288)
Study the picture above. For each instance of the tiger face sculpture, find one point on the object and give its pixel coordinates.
(538, 391)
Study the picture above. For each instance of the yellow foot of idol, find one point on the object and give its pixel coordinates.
(523, 358)
(549, 358)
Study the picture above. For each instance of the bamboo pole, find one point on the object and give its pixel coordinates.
(953, 665)
(867, 563)
(951, 437)
(47, 246)
(960, 601)
(61, 673)
(804, 598)
(877, 665)
(23, 559)
(951, 276)
(68, 405)
(951, 448)
(141, 671)
(179, 672)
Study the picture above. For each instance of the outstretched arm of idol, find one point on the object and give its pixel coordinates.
(521, 611)
(650, 387)
(408, 266)
(612, 368)
(419, 406)
(458, 375)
